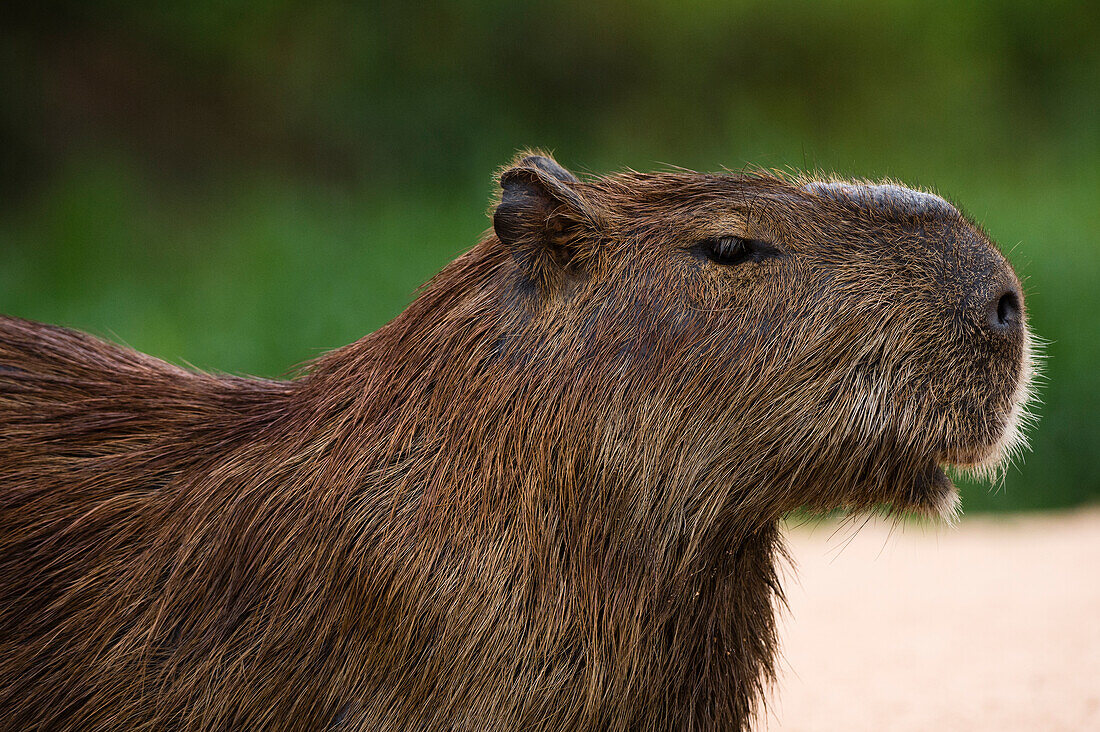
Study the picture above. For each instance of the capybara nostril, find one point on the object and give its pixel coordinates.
(1003, 314)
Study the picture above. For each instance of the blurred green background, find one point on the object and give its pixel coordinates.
(242, 185)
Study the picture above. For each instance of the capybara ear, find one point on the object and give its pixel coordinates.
(546, 222)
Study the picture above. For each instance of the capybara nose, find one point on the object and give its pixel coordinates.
(1003, 311)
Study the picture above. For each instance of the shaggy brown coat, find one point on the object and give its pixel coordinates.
(545, 497)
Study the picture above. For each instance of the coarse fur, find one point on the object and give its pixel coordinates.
(545, 497)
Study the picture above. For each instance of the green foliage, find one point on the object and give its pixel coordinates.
(241, 185)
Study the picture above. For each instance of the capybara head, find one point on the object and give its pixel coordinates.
(781, 342)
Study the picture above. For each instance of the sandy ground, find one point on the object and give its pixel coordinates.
(993, 625)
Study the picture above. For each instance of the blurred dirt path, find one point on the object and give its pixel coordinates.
(994, 625)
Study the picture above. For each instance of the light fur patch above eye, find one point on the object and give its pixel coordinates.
(895, 198)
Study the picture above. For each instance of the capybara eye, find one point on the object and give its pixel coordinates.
(732, 250)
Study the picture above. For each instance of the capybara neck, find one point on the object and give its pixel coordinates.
(661, 604)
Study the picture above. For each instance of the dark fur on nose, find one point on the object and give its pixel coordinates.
(1001, 311)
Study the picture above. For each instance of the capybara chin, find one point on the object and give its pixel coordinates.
(545, 497)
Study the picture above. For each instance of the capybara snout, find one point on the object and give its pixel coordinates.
(967, 309)
(973, 328)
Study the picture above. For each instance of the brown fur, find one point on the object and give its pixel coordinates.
(544, 497)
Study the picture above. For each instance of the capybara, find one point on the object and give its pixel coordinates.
(547, 496)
